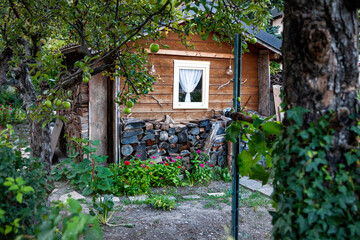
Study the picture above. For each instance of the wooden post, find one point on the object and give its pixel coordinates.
(264, 82)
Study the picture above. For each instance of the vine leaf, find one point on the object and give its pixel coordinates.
(272, 128)
(296, 114)
(259, 173)
(103, 172)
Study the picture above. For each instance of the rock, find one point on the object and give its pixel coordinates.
(129, 140)
(149, 126)
(219, 194)
(171, 131)
(186, 163)
(156, 158)
(139, 146)
(204, 123)
(151, 131)
(220, 139)
(133, 123)
(173, 148)
(142, 153)
(73, 195)
(132, 132)
(180, 128)
(221, 131)
(151, 150)
(182, 137)
(164, 126)
(181, 176)
(140, 198)
(152, 141)
(148, 136)
(185, 146)
(195, 130)
(184, 153)
(127, 150)
(163, 145)
(203, 135)
(221, 160)
(157, 125)
(191, 125)
(191, 197)
(173, 139)
(164, 136)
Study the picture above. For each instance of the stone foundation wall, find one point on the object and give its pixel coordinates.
(158, 140)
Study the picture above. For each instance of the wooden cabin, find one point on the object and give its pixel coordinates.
(95, 115)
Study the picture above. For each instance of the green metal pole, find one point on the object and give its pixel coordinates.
(236, 146)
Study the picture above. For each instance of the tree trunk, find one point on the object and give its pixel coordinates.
(320, 52)
(320, 56)
(40, 138)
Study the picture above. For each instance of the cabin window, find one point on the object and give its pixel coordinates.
(191, 84)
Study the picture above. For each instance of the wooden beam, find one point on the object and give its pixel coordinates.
(264, 82)
(192, 53)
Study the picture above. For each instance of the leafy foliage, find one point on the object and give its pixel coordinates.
(103, 206)
(257, 139)
(161, 202)
(201, 171)
(22, 202)
(75, 224)
(307, 196)
(87, 175)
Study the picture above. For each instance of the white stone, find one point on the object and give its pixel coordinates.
(140, 198)
(191, 197)
(115, 199)
(73, 195)
(219, 194)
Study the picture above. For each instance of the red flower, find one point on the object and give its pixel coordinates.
(211, 165)
(179, 167)
(127, 163)
(166, 164)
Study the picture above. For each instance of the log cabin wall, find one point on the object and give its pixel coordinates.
(219, 99)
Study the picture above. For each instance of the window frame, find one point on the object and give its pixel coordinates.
(195, 65)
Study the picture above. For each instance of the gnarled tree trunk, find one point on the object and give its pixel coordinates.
(320, 56)
(40, 138)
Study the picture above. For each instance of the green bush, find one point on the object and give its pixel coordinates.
(161, 202)
(22, 198)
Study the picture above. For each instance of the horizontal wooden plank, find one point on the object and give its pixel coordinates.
(169, 52)
(214, 99)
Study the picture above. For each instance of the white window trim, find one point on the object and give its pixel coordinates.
(196, 65)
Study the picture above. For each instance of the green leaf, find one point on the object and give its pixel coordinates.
(14, 187)
(19, 197)
(205, 36)
(74, 206)
(296, 114)
(245, 162)
(165, 46)
(8, 229)
(233, 132)
(103, 172)
(28, 189)
(7, 184)
(259, 173)
(272, 128)
(87, 191)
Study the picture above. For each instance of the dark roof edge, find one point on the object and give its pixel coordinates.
(266, 39)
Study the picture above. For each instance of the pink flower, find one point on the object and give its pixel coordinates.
(169, 157)
(138, 155)
(143, 165)
(207, 162)
(173, 160)
(153, 157)
(198, 151)
(151, 163)
(178, 157)
(161, 177)
(202, 165)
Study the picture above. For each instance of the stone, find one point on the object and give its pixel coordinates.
(191, 125)
(221, 131)
(157, 125)
(142, 153)
(195, 130)
(133, 123)
(219, 139)
(139, 146)
(185, 146)
(186, 163)
(182, 137)
(221, 160)
(164, 136)
(148, 136)
(127, 150)
(140, 198)
(164, 126)
(173, 148)
(157, 158)
(115, 199)
(191, 197)
(130, 140)
(171, 131)
(181, 176)
(132, 132)
(204, 123)
(184, 153)
(164, 145)
(151, 150)
(180, 127)
(151, 131)
(203, 135)
(173, 139)
(149, 126)
(151, 142)
(219, 194)
(73, 195)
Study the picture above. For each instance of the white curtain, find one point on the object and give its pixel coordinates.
(189, 79)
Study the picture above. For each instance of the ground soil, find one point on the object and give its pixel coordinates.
(204, 218)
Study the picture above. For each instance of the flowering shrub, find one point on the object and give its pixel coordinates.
(136, 176)
(201, 171)
(6, 113)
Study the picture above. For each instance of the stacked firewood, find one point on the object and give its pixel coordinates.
(158, 140)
